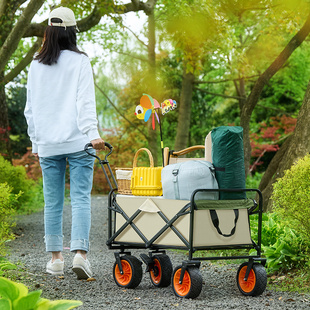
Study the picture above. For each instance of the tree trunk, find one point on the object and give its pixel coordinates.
(253, 98)
(244, 122)
(298, 147)
(240, 89)
(12, 40)
(10, 36)
(184, 108)
(274, 164)
(151, 85)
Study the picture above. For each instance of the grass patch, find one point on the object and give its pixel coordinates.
(296, 280)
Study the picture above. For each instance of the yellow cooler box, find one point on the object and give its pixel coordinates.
(146, 181)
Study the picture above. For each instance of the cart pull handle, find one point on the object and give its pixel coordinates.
(89, 146)
(113, 184)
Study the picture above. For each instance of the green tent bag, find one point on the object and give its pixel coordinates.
(228, 160)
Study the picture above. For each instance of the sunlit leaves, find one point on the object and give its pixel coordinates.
(291, 196)
(192, 27)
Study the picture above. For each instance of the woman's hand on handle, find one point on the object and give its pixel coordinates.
(98, 144)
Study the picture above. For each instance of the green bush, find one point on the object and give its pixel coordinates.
(282, 246)
(291, 196)
(7, 210)
(17, 179)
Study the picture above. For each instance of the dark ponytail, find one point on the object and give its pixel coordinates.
(57, 39)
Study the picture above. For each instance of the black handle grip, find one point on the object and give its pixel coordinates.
(89, 146)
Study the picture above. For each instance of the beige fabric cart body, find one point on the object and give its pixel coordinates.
(149, 222)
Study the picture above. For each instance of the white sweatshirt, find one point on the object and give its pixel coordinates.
(61, 107)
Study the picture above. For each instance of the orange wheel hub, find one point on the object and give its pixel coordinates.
(156, 272)
(249, 285)
(184, 288)
(125, 278)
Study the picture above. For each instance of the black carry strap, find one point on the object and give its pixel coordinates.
(216, 222)
(221, 169)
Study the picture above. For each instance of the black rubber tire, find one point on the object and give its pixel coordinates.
(257, 280)
(132, 272)
(192, 282)
(161, 274)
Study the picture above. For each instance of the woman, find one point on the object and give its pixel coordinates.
(61, 116)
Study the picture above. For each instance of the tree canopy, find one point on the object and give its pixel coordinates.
(225, 62)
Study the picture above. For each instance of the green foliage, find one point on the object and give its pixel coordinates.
(15, 296)
(36, 201)
(193, 27)
(30, 192)
(283, 247)
(6, 265)
(16, 98)
(288, 252)
(8, 202)
(252, 181)
(287, 88)
(291, 196)
(16, 178)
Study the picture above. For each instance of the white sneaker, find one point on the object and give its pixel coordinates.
(81, 267)
(56, 267)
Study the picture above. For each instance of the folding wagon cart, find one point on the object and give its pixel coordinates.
(157, 224)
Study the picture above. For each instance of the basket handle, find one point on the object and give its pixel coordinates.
(148, 152)
(188, 150)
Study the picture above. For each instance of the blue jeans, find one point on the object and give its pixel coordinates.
(81, 181)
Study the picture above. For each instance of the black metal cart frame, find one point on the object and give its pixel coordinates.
(154, 249)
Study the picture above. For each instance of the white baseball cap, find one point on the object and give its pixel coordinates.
(65, 14)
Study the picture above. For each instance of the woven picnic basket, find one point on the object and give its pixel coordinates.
(123, 177)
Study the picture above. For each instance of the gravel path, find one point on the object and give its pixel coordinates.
(219, 286)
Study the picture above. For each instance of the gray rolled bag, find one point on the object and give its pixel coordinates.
(181, 179)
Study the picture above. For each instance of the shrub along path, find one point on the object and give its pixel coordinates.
(219, 285)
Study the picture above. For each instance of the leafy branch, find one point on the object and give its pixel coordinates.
(118, 111)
